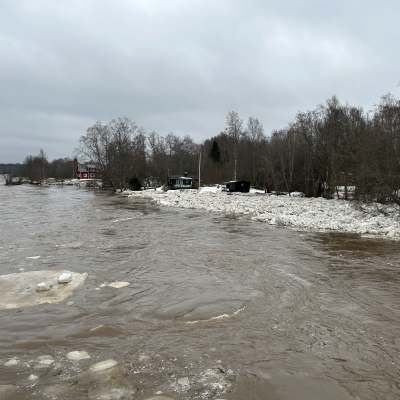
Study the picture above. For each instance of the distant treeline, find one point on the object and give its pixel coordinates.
(38, 167)
(10, 169)
(334, 145)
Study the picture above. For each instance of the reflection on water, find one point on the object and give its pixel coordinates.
(351, 244)
(214, 303)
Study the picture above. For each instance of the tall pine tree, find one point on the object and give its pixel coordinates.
(215, 153)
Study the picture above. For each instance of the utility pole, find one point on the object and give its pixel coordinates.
(200, 169)
(234, 172)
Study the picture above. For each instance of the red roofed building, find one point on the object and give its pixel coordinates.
(86, 171)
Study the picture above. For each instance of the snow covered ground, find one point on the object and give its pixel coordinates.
(311, 214)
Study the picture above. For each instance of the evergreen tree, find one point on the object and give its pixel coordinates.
(215, 153)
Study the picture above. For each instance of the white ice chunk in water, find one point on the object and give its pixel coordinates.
(32, 378)
(44, 361)
(12, 362)
(103, 365)
(119, 285)
(43, 287)
(65, 277)
(78, 355)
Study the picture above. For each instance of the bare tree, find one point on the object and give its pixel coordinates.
(118, 150)
(234, 130)
(255, 132)
(332, 147)
(35, 167)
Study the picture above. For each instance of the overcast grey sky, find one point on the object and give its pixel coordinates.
(181, 65)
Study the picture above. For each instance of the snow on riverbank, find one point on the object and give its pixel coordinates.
(315, 214)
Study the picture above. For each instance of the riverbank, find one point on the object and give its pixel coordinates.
(309, 214)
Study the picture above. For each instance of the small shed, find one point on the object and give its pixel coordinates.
(238, 186)
(180, 182)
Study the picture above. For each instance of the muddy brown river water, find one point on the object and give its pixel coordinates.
(217, 307)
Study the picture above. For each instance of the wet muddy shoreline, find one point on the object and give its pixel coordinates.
(216, 307)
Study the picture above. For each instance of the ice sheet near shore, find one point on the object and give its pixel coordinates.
(311, 214)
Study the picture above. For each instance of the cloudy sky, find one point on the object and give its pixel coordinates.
(181, 65)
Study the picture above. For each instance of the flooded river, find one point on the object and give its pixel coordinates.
(217, 307)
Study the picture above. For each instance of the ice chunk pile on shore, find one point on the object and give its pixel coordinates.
(311, 214)
(37, 287)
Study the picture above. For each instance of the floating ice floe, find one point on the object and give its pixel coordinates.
(103, 365)
(118, 285)
(33, 288)
(78, 355)
(33, 257)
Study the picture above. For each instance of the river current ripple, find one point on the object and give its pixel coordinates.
(217, 307)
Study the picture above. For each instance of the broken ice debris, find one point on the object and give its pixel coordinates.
(43, 287)
(119, 285)
(65, 277)
(184, 383)
(103, 365)
(78, 355)
(12, 362)
(44, 361)
(33, 378)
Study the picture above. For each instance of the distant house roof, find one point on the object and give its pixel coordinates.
(85, 166)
